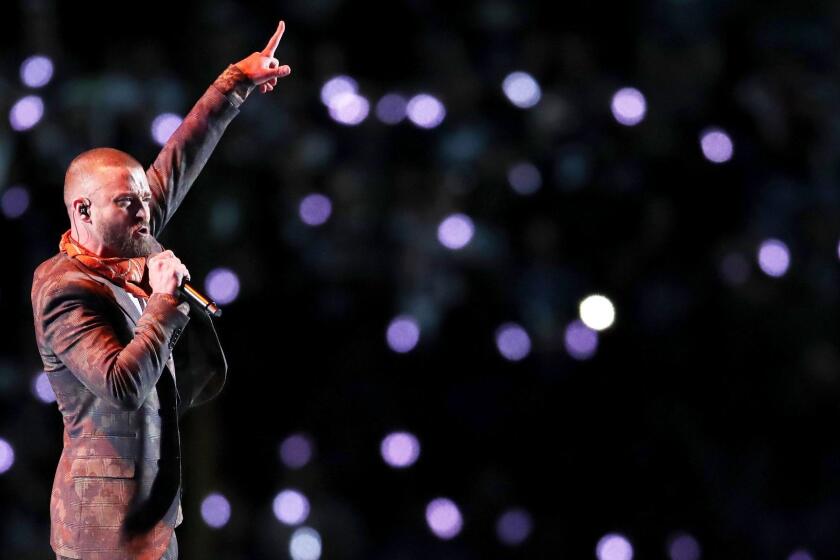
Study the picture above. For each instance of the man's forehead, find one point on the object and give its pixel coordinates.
(123, 179)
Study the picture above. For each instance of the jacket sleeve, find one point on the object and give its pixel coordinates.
(76, 328)
(188, 149)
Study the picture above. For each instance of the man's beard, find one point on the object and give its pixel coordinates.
(126, 245)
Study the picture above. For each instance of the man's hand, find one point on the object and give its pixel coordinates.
(262, 68)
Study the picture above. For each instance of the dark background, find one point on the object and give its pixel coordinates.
(710, 406)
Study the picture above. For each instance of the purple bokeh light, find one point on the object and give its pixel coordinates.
(800, 555)
(349, 108)
(425, 111)
(391, 109)
(15, 202)
(524, 178)
(400, 449)
(403, 333)
(215, 510)
(336, 86)
(315, 209)
(290, 507)
(222, 285)
(456, 231)
(522, 89)
(683, 547)
(512, 342)
(773, 257)
(444, 518)
(581, 342)
(514, 527)
(42, 389)
(163, 126)
(614, 546)
(26, 112)
(36, 71)
(716, 145)
(296, 451)
(7, 456)
(628, 106)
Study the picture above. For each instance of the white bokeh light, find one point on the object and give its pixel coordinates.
(305, 544)
(26, 112)
(456, 231)
(773, 257)
(522, 89)
(163, 126)
(597, 312)
(7, 456)
(215, 510)
(400, 449)
(349, 108)
(425, 111)
(290, 507)
(336, 86)
(628, 106)
(403, 333)
(42, 389)
(716, 145)
(614, 547)
(36, 71)
(222, 285)
(444, 518)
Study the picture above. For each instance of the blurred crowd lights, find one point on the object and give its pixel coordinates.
(36, 71)
(290, 507)
(513, 342)
(222, 285)
(444, 518)
(163, 126)
(716, 145)
(614, 546)
(773, 257)
(597, 312)
(522, 89)
(455, 231)
(215, 510)
(315, 209)
(628, 106)
(403, 333)
(400, 450)
(305, 544)
(7, 456)
(296, 451)
(42, 389)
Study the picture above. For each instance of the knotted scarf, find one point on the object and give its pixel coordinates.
(129, 274)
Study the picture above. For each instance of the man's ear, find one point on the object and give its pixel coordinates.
(82, 207)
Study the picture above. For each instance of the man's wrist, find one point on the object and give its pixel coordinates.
(234, 84)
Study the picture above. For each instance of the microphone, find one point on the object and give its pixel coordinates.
(188, 293)
(195, 298)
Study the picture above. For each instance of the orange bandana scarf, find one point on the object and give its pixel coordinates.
(127, 273)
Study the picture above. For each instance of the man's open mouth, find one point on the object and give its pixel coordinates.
(143, 230)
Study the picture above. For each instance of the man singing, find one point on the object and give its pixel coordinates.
(107, 318)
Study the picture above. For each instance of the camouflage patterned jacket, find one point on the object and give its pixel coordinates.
(117, 488)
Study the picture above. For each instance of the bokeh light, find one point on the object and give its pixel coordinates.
(456, 231)
(580, 341)
(305, 544)
(773, 257)
(26, 112)
(614, 546)
(7, 456)
(514, 527)
(222, 285)
(425, 111)
(315, 209)
(734, 269)
(403, 333)
(290, 507)
(400, 449)
(628, 106)
(215, 510)
(296, 451)
(444, 518)
(683, 546)
(335, 86)
(42, 389)
(524, 178)
(512, 341)
(391, 108)
(597, 312)
(14, 202)
(349, 108)
(522, 89)
(800, 555)
(716, 145)
(163, 126)
(36, 71)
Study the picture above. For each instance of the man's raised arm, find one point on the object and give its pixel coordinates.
(188, 149)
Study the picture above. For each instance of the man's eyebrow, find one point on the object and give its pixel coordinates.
(130, 193)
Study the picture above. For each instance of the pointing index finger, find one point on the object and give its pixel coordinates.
(275, 40)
